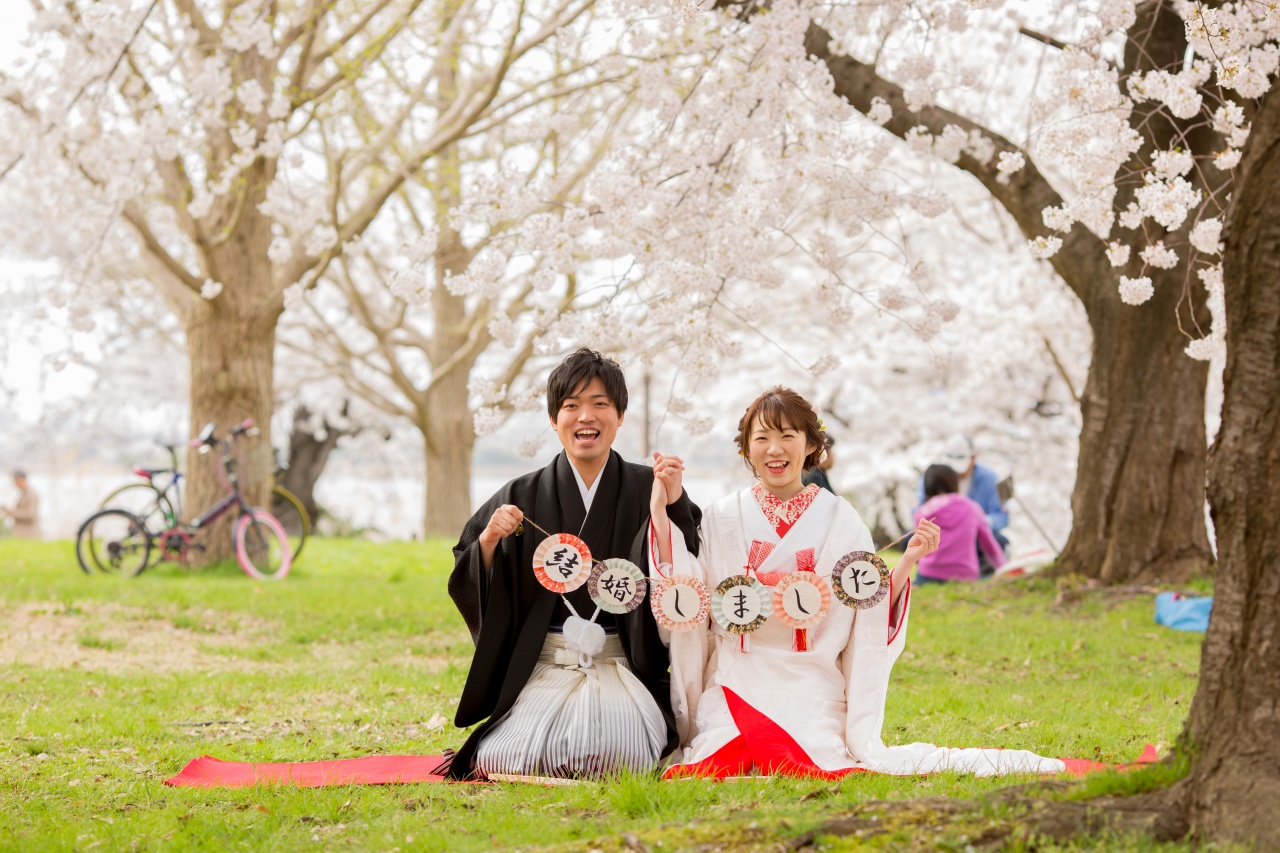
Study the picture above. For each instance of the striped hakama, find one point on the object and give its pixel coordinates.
(571, 722)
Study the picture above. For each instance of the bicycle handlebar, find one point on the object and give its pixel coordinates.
(207, 438)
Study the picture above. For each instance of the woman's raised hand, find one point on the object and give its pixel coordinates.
(669, 472)
(924, 542)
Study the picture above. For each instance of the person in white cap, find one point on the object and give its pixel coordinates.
(977, 481)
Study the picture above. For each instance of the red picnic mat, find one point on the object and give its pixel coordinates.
(1081, 766)
(209, 772)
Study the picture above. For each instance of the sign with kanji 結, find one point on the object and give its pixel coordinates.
(562, 563)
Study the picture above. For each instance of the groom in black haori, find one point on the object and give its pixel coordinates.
(554, 695)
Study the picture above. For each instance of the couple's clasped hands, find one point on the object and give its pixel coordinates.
(668, 483)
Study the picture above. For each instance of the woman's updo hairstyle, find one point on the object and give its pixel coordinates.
(775, 408)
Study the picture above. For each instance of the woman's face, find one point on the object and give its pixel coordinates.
(777, 456)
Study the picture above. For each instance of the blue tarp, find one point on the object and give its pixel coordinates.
(1183, 614)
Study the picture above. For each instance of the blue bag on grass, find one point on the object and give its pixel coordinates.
(1183, 614)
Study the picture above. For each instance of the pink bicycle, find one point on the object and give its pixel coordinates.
(117, 541)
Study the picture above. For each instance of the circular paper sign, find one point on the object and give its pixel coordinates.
(740, 604)
(680, 603)
(860, 580)
(617, 585)
(562, 563)
(802, 599)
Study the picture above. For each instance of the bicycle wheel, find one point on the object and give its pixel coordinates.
(114, 542)
(290, 512)
(147, 503)
(262, 547)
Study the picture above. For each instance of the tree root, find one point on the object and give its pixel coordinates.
(1017, 816)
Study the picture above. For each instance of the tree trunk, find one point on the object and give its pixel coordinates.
(307, 457)
(1233, 733)
(1138, 503)
(449, 439)
(232, 357)
(445, 420)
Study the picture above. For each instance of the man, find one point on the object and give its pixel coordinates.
(25, 513)
(545, 709)
(977, 481)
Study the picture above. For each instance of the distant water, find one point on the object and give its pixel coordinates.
(390, 508)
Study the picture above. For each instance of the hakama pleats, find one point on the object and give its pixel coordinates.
(575, 722)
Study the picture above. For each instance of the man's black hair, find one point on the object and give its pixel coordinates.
(940, 480)
(576, 372)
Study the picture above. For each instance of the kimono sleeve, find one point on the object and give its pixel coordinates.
(470, 582)
(866, 663)
(689, 649)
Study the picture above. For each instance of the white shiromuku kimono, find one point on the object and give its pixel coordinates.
(818, 712)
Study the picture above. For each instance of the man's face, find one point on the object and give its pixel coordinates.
(587, 423)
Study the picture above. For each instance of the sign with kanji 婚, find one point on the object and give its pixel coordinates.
(617, 585)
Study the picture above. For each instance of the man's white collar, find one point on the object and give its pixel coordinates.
(588, 494)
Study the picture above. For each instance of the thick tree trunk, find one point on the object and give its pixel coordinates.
(446, 421)
(1138, 502)
(1233, 733)
(449, 440)
(232, 357)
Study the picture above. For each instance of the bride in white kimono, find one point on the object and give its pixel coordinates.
(758, 703)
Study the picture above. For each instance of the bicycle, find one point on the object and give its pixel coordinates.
(118, 541)
(158, 502)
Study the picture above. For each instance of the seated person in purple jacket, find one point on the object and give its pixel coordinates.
(964, 530)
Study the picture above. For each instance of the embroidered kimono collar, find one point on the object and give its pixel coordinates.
(784, 514)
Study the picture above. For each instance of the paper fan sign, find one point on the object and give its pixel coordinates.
(680, 603)
(562, 563)
(802, 600)
(617, 585)
(741, 604)
(860, 580)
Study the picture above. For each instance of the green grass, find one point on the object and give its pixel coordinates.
(109, 686)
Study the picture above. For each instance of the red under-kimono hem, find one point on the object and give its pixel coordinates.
(761, 745)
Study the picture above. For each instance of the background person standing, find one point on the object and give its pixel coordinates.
(25, 513)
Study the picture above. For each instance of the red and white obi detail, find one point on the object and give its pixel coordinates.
(773, 709)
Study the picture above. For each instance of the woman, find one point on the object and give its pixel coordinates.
(966, 527)
(759, 703)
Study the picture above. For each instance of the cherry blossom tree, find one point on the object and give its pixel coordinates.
(1119, 131)
(468, 267)
(1233, 734)
(594, 218)
(238, 150)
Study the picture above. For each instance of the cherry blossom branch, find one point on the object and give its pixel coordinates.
(1024, 196)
